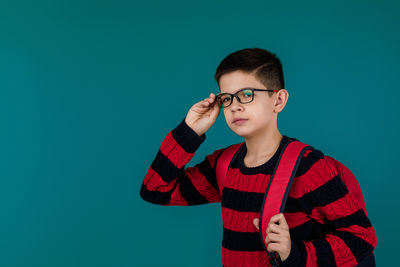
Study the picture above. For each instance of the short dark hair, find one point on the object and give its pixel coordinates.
(265, 65)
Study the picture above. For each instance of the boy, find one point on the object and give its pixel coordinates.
(325, 221)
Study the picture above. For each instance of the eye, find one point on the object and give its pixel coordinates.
(247, 93)
(226, 98)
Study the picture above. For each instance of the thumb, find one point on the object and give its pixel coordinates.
(256, 222)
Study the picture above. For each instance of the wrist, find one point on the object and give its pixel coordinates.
(199, 133)
(187, 138)
(294, 257)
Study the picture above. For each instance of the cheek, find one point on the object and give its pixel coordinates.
(261, 115)
(226, 116)
(263, 107)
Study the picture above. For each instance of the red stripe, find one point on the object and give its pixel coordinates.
(236, 180)
(201, 184)
(296, 219)
(311, 259)
(350, 181)
(177, 199)
(179, 157)
(340, 208)
(239, 221)
(316, 177)
(231, 258)
(154, 182)
(342, 253)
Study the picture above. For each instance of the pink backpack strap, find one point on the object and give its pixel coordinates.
(279, 186)
(222, 164)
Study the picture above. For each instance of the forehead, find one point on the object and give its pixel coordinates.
(234, 81)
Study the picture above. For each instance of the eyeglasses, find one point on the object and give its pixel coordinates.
(244, 96)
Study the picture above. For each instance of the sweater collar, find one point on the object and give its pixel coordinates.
(266, 167)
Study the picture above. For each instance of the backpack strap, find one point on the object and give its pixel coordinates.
(223, 162)
(278, 188)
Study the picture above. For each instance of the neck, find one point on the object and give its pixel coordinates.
(263, 145)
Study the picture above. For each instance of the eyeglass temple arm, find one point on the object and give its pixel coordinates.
(274, 90)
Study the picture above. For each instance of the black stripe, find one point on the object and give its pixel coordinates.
(331, 191)
(292, 206)
(188, 139)
(308, 161)
(298, 255)
(358, 246)
(164, 167)
(189, 192)
(241, 241)
(309, 230)
(155, 197)
(241, 201)
(323, 249)
(208, 172)
(357, 218)
(252, 201)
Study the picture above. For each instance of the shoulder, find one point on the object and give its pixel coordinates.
(314, 169)
(322, 166)
(326, 179)
(310, 160)
(319, 170)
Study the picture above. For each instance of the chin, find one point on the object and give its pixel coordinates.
(241, 131)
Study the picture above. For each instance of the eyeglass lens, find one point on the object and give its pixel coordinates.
(245, 96)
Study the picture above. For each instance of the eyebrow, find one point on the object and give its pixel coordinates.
(237, 90)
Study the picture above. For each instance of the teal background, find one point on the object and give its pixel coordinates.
(89, 89)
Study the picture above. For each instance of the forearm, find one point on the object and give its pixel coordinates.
(168, 182)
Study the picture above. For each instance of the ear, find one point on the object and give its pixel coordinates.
(281, 99)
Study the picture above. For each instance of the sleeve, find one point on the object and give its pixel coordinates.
(333, 198)
(169, 183)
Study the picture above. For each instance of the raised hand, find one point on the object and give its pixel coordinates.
(203, 115)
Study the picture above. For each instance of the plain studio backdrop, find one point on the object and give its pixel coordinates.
(89, 89)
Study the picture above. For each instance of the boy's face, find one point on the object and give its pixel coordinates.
(260, 114)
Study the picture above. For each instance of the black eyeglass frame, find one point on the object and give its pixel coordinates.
(218, 96)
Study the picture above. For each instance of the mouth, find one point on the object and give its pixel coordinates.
(239, 121)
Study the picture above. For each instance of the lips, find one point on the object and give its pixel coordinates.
(238, 119)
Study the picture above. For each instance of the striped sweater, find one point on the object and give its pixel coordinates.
(325, 209)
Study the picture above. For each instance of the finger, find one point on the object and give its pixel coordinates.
(276, 228)
(256, 222)
(205, 102)
(202, 104)
(272, 237)
(273, 247)
(276, 218)
(210, 99)
(215, 110)
(273, 228)
(279, 219)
